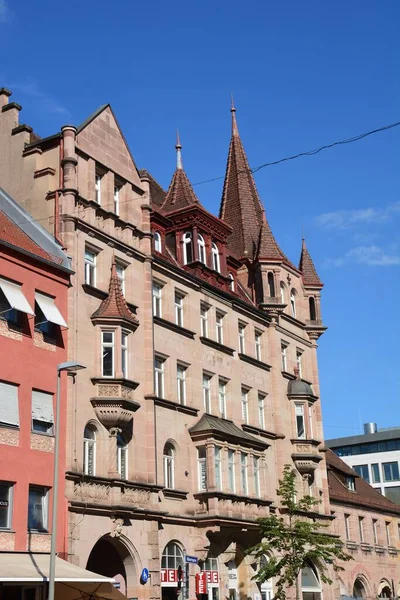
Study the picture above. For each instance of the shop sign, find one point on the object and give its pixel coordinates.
(212, 577)
(201, 583)
(169, 577)
(233, 578)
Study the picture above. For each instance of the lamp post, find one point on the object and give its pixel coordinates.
(70, 367)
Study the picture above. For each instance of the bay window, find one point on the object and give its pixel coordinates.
(107, 354)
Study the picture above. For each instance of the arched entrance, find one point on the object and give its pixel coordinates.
(172, 571)
(111, 557)
(359, 588)
(210, 568)
(310, 583)
(385, 590)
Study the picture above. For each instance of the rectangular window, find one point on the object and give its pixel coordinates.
(261, 411)
(38, 508)
(117, 190)
(300, 424)
(6, 497)
(375, 530)
(42, 412)
(257, 344)
(245, 405)
(90, 267)
(347, 526)
(157, 300)
(231, 471)
(97, 187)
(390, 471)
(363, 471)
(107, 353)
(243, 472)
(204, 319)
(361, 528)
(393, 493)
(9, 411)
(159, 377)
(124, 353)
(310, 422)
(284, 357)
(222, 397)
(181, 383)
(121, 275)
(388, 533)
(299, 355)
(241, 336)
(219, 326)
(179, 309)
(207, 392)
(376, 476)
(218, 471)
(202, 468)
(256, 472)
(351, 483)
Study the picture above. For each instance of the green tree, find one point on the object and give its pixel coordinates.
(292, 540)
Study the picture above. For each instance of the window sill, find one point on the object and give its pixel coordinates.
(213, 344)
(175, 494)
(254, 362)
(351, 545)
(174, 327)
(129, 383)
(263, 432)
(96, 292)
(189, 410)
(392, 550)
(293, 320)
(366, 547)
(9, 426)
(379, 549)
(44, 433)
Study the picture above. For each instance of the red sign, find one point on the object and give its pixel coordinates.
(169, 577)
(201, 583)
(212, 576)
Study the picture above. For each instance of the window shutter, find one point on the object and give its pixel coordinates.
(42, 407)
(9, 404)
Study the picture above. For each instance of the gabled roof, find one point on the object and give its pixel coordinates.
(114, 306)
(240, 206)
(180, 192)
(225, 430)
(307, 268)
(157, 194)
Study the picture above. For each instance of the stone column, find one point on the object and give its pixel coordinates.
(113, 465)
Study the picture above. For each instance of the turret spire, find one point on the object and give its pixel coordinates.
(307, 268)
(178, 147)
(235, 130)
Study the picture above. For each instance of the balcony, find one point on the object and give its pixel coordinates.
(306, 455)
(215, 504)
(113, 403)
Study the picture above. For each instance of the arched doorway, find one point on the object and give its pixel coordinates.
(385, 590)
(310, 583)
(111, 557)
(172, 571)
(210, 568)
(359, 589)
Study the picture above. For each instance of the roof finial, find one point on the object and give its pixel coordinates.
(233, 112)
(178, 147)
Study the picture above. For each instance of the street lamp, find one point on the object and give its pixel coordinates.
(70, 367)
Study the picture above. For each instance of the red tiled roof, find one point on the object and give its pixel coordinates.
(306, 266)
(12, 234)
(180, 193)
(240, 207)
(268, 247)
(157, 194)
(114, 306)
(364, 495)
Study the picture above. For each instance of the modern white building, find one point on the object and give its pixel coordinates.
(375, 456)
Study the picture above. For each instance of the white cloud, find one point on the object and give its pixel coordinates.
(372, 256)
(30, 88)
(349, 219)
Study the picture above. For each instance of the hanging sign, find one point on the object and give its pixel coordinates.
(201, 583)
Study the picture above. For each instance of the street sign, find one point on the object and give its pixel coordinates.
(144, 576)
(191, 559)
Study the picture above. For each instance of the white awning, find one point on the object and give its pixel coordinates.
(15, 296)
(49, 309)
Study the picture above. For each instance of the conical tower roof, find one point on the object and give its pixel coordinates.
(240, 207)
(180, 192)
(307, 268)
(114, 306)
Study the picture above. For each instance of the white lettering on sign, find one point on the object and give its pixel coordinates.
(169, 577)
(212, 577)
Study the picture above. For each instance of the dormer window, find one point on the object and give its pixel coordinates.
(351, 483)
(215, 258)
(157, 242)
(232, 282)
(201, 248)
(187, 248)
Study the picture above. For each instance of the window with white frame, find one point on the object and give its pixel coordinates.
(375, 530)
(122, 456)
(159, 364)
(204, 319)
(219, 326)
(6, 504)
(89, 450)
(257, 344)
(124, 353)
(207, 392)
(310, 422)
(201, 248)
(187, 243)
(215, 257)
(178, 299)
(202, 468)
(157, 241)
(347, 526)
(293, 303)
(157, 300)
(245, 405)
(218, 467)
(107, 353)
(42, 412)
(261, 410)
(231, 471)
(283, 293)
(299, 355)
(232, 282)
(350, 483)
(9, 409)
(243, 473)
(284, 356)
(241, 338)
(256, 475)
(90, 267)
(361, 528)
(38, 503)
(388, 533)
(300, 421)
(97, 187)
(121, 269)
(117, 191)
(181, 383)
(222, 383)
(169, 465)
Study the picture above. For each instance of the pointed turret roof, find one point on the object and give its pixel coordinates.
(114, 306)
(307, 268)
(268, 247)
(180, 192)
(241, 206)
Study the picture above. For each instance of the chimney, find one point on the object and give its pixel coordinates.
(370, 428)
(4, 96)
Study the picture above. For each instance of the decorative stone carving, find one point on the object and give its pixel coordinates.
(116, 530)
(9, 437)
(135, 496)
(44, 443)
(92, 491)
(229, 553)
(126, 392)
(108, 391)
(303, 448)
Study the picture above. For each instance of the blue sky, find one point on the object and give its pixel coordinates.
(303, 74)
